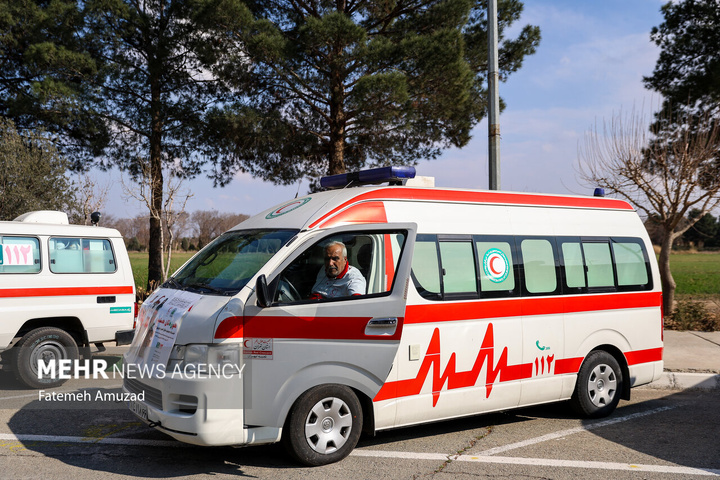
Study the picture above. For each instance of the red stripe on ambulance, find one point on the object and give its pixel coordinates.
(516, 307)
(62, 291)
(317, 328)
(500, 371)
(461, 196)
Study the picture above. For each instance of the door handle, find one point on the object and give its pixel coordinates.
(381, 327)
(383, 322)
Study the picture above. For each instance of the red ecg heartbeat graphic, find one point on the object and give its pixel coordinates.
(454, 379)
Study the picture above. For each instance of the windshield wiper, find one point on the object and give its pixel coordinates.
(206, 287)
(171, 282)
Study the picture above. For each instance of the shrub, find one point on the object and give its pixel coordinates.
(693, 316)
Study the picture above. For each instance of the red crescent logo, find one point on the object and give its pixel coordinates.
(492, 268)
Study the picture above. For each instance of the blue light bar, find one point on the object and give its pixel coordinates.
(393, 175)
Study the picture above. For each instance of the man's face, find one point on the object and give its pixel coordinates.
(334, 261)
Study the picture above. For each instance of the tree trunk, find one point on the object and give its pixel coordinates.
(666, 278)
(336, 160)
(155, 247)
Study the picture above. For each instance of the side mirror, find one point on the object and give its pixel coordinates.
(262, 292)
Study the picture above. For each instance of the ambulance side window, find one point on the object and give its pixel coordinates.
(444, 267)
(497, 266)
(81, 255)
(372, 258)
(19, 254)
(573, 263)
(598, 262)
(631, 263)
(539, 266)
(604, 264)
(459, 276)
(426, 267)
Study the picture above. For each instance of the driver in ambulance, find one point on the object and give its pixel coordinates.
(338, 278)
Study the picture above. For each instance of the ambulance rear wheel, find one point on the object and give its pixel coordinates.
(47, 345)
(324, 425)
(598, 387)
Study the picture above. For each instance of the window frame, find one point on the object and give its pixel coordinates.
(40, 254)
(312, 243)
(559, 275)
(449, 296)
(426, 237)
(646, 259)
(510, 240)
(81, 238)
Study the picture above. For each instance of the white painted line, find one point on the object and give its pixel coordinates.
(571, 431)
(406, 455)
(544, 462)
(540, 462)
(92, 440)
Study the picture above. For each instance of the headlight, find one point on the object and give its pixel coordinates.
(205, 359)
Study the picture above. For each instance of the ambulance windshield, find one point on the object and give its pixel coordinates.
(229, 261)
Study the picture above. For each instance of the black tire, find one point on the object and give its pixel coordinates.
(599, 386)
(324, 425)
(46, 343)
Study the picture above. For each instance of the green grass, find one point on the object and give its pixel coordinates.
(696, 274)
(139, 264)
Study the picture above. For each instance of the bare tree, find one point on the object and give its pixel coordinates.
(664, 173)
(166, 214)
(208, 224)
(90, 197)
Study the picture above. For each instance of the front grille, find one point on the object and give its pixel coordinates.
(153, 396)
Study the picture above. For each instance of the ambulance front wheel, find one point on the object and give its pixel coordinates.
(39, 351)
(324, 425)
(598, 387)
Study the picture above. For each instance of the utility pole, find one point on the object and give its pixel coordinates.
(493, 99)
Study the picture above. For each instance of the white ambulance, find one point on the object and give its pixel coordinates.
(474, 301)
(62, 288)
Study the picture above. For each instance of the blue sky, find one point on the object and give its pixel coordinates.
(589, 66)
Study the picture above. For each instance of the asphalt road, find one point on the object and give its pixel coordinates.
(660, 434)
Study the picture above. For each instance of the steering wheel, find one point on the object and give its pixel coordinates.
(287, 292)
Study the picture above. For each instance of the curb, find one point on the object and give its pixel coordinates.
(686, 381)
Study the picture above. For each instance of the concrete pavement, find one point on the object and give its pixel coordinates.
(692, 360)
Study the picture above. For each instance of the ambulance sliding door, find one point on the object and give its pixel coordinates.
(347, 340)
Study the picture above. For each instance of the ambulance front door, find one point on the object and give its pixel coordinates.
(325, 323)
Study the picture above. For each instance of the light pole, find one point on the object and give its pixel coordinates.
(493, 99)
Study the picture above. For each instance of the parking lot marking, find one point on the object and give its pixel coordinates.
(405, 455)
(133, 442)
(546, 462)
(572, 431)
(540, 462)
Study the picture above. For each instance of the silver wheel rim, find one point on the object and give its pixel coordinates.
(45, 352)
(328, 425)
(602, 385)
